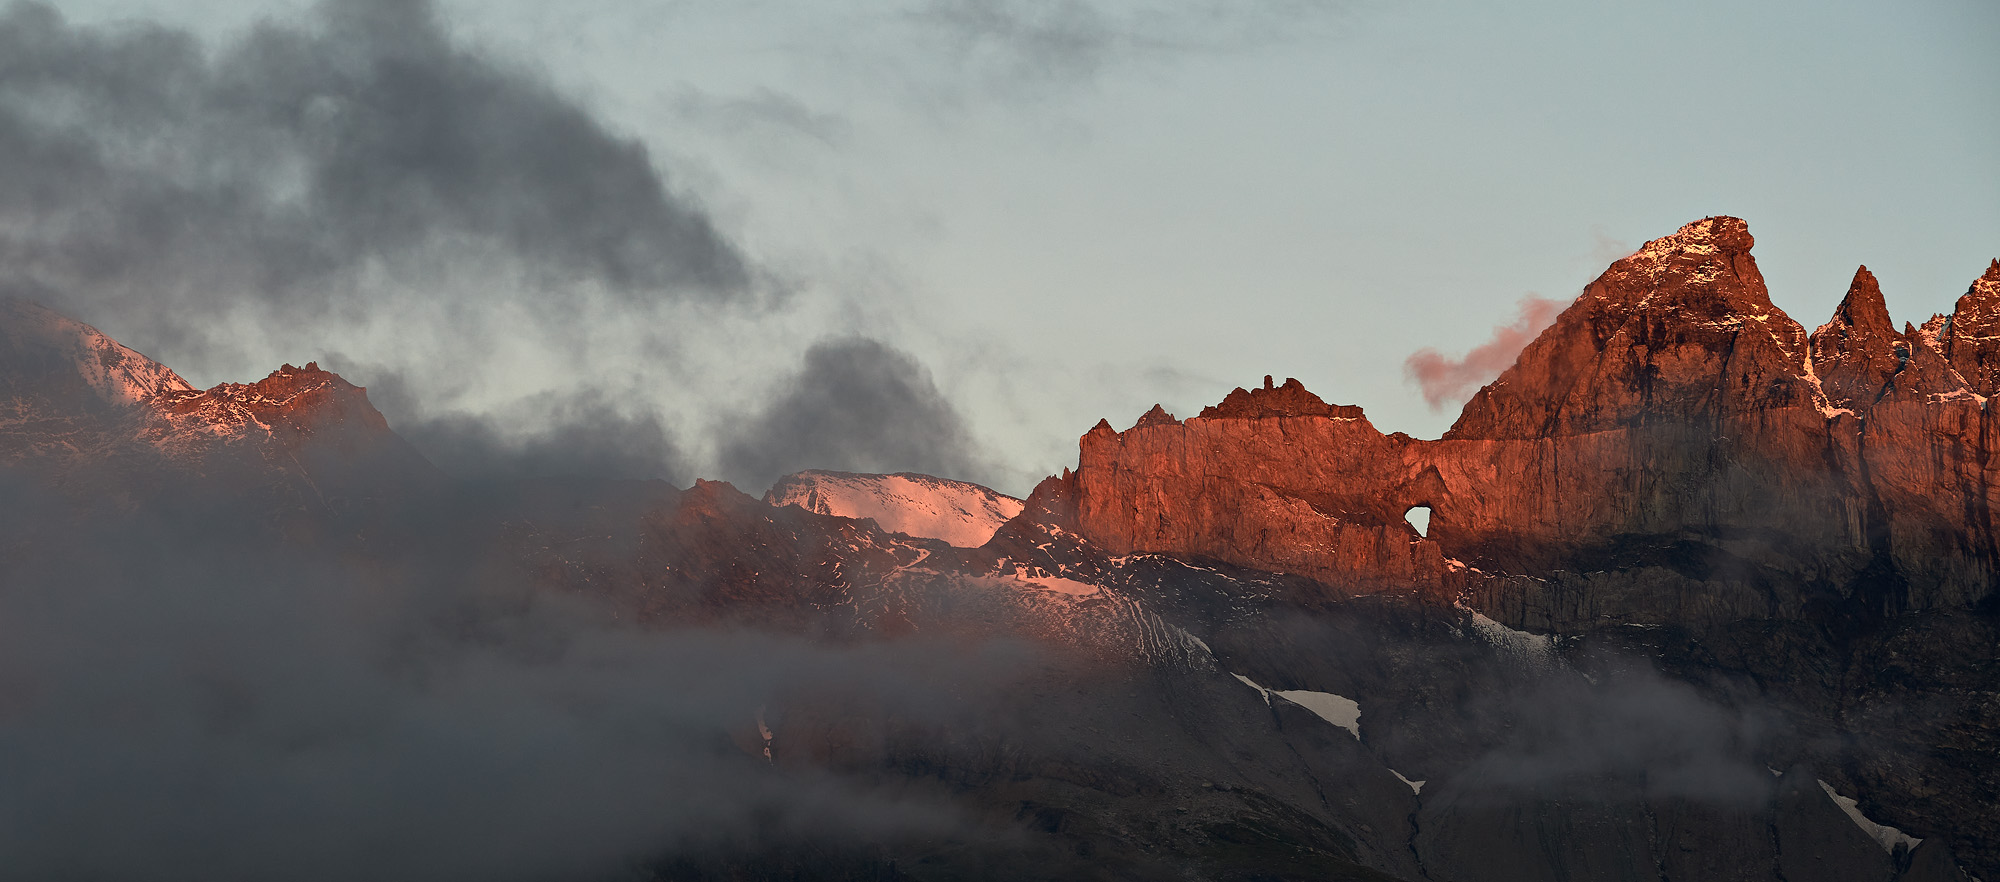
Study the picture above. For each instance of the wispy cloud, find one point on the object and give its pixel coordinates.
(146, 170)
(1447, 381)
(761, 112)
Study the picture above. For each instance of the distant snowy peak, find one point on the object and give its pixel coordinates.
(958, 512)
(36, 340)
(293, 406)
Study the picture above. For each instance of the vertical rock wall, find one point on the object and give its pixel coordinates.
(1673, 447)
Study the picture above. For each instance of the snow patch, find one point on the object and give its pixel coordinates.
(1889, 837)
(1416, 787)
(1022, 578)
(1825, 405)
(1061, 585)
(959, 513)
(1338, 710)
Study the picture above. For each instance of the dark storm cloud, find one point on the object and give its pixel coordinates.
(1568, 734)
(581, 433)
(550, 435)
(145, 170)
(331, 173)
(854, 405)
(193, 698)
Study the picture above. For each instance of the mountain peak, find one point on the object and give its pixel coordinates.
(1855, 353)
(1704, 269)
(1983, 295)
(959, 513)
(1653, 338)
(1722, 232)
(1288, 400)
(1864, 307)
(1158, 416)
(1972, 336)
(291, 404)
(40, 345)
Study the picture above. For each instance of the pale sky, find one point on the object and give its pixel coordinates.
(1072, 210)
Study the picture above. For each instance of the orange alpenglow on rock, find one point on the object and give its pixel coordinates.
(1973, 342)
(1669, 449)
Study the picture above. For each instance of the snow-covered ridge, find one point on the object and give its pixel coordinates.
(116, 373)
(958, 512)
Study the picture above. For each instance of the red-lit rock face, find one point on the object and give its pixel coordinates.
(1681, 330)
(1973, 342)
(1857, 351)
(1671, 449)
(293, 406)
(1294, 485)
(302, 447)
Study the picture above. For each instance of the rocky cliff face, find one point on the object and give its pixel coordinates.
(1674, 449)
(1971, 341)
(1674, 465)
(1274, 478)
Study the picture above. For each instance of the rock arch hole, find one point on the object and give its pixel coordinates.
(1419, 517)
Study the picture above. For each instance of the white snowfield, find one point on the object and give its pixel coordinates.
(958, 512)
(1338, 710)
(1060, 585)
(1416, 787)
(118, 375)
(1888, 836)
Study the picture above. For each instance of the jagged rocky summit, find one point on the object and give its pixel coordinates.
(301, 445)
(1674, 449)
(1674, 466)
